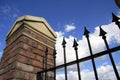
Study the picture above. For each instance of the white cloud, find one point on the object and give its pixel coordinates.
(97, 43)
(105, 72)
(113, 33)
(69, 28)
(9, 11)
(59, 47)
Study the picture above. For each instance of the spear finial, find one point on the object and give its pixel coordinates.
(64, 42)
(86, 32)
(75, 44)
(102, 32)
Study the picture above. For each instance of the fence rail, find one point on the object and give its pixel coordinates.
(92, 56)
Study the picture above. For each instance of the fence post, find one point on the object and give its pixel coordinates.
(102, 33)
(46, 54)
(39, 76)
(86, 33)
(54, 57)
(65, 67)
(75, 44)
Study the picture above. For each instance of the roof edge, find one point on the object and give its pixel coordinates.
(35, 19)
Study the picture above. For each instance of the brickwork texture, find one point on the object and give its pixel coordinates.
(25, 47)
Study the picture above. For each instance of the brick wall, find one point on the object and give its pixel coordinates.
(24, 54)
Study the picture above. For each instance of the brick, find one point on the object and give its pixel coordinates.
(39, 58)
(27, 76)
(25, 67)
(35, 51)
(1, 71)
(25, 46)
(24, 59)
(50, 56)
(25, 39)
(50, 63)
(37, 70)
(32, 43)
(19, 74)
(30, 54)
(37, 63)
(41, 47)
(41, 39)
(9, 67)
(32, 77)
(27, 31)
(39, 52)
(23, 56)
(27, 53)
(11, 60)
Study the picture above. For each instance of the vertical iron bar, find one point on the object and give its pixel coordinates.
(78, 67)
(102, 33)
(86, 33)
(65, 67)
(43, 66)
(39, 76)
(46, 53)
(93, 62)
(116, 20)
(54, 56)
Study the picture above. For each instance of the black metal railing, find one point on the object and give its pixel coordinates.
(91, 57)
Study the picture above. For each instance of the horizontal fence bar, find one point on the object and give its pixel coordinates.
(84, 59)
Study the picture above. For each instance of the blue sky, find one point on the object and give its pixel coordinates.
(67, 18)
(58, 13)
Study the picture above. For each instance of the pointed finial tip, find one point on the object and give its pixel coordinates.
(86, 32)
(75, 44)
(114, 18)
(64, 42)
(102, 32)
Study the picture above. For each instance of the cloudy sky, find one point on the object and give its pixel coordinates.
(68, 18)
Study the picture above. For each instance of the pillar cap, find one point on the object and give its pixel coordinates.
(37, 23)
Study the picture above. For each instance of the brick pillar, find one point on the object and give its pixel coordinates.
(25, 49)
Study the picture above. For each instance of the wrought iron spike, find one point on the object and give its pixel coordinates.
(75, 44)
(114, 18)
(46, 50)
(54, 52)
(102, 32)
(86, 32)
(64, 42)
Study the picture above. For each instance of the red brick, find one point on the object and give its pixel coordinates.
(37, 63)
(40, 47)
(23, 59)
(50, 63)
(23, 56)
(32, 43)
(39, 52)
(25, 46)
(27, 53)
(35, 50)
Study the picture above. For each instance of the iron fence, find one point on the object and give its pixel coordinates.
(91, 57)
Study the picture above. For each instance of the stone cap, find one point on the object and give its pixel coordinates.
(38, 23)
